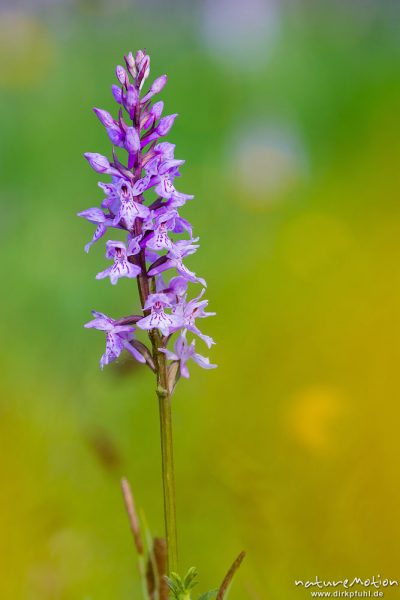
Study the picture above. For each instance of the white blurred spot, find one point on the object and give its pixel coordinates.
(241, 32)
(267, 161)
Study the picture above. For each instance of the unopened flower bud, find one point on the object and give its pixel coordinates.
(104, 117)
(98, 162)
(132, 140)
(116, 135)
(121, 75)
(139, 57)
(165, 124)
(156, 109)
(130, 64)
(156, 87)
(158, 84)
(131, 99)
(117, 93)
(144, 71)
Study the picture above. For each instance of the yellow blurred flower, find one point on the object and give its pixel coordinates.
(311, 417)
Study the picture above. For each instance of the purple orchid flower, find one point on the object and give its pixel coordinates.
(118, 338)
(175, 222)
(158, 238)
(158, 319)
(112, 201)
(121, 267)
(177, 288)
(183, 352)
(129, 210)
(174, 259)
(97, 217)
(160, 223)
(188, 312)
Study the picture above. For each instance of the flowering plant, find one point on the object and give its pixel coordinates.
(152, 253)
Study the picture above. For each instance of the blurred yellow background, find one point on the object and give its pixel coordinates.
(289, 121)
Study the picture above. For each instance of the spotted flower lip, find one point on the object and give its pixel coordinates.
(158, 319)
(121, 267)
(142, 202)
(159, 299)
(160, 239)
(157, 237)
(129, 210)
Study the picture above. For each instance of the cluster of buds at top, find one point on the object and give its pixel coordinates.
(151, 252)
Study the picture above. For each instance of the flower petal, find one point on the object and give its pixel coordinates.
(139, 357)
(203, 362)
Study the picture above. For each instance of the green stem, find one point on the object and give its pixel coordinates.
(164, 401)
(146, 285)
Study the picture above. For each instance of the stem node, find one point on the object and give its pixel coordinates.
(162, 393)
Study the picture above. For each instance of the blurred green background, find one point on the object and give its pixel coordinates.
(289, 121)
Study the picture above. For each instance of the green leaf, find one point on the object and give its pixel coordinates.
(181, 588)
(178, 587)
(208, 595)
(175, 585)
(189, 581)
